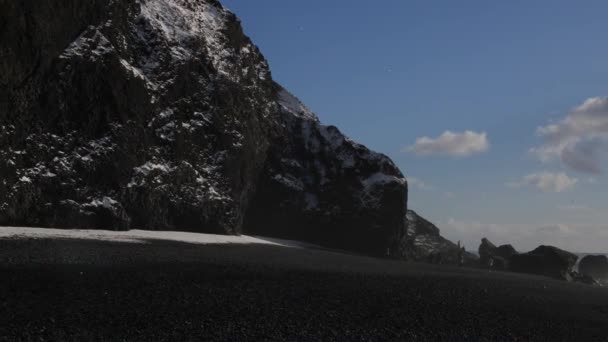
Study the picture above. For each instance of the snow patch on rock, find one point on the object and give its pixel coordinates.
(183, 22)
(292, 105)
(151, 166)
(91, 43)
(380, 178)
(290, 182)
(105, 202)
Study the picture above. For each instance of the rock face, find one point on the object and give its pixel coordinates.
(495, 257)
(595, 266)
(317, 185)
(163, 115)
(422, 241)
(545, 260)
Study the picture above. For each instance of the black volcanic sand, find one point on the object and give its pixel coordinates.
(75, 290)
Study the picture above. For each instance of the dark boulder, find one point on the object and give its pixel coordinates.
(505, 251)
(545, 260)
(595, 266)
(163, 115)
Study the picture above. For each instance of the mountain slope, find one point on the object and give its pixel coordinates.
(162, 114)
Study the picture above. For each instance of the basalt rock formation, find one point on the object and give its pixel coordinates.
(163, 115)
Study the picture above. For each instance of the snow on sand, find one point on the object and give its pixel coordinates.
(141, 236)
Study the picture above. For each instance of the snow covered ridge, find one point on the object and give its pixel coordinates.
(292, 105)
(330, 157)
(183, 21)
(380, 178)
(319, 139)
(186, 25)
(183, 29)
(143, 237)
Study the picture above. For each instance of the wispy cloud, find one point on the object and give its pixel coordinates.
(546, 181)
(449, 195)
(580, 140)
(419, 184)
(575, 208)
(451, 144)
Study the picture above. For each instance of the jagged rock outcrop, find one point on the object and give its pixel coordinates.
(595, 266)
(422, 241)
(545, 260)
(495, 257)
(122, 114)
(162, 114)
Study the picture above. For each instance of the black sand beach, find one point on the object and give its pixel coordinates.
(82, 290)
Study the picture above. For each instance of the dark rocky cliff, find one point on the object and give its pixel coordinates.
(162, 114)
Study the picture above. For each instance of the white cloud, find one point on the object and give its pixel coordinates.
(580, 140)
(449, 195)
(554, 229)
(547, 181)
(451, 144)
(575, 208)
(591, 180)
(418, 183)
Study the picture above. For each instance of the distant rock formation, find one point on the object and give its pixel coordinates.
(422, 241)
(163, 115)
(545, 260)
(495, 257)
(595, 266)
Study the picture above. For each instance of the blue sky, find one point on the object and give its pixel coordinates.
(390, 72)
